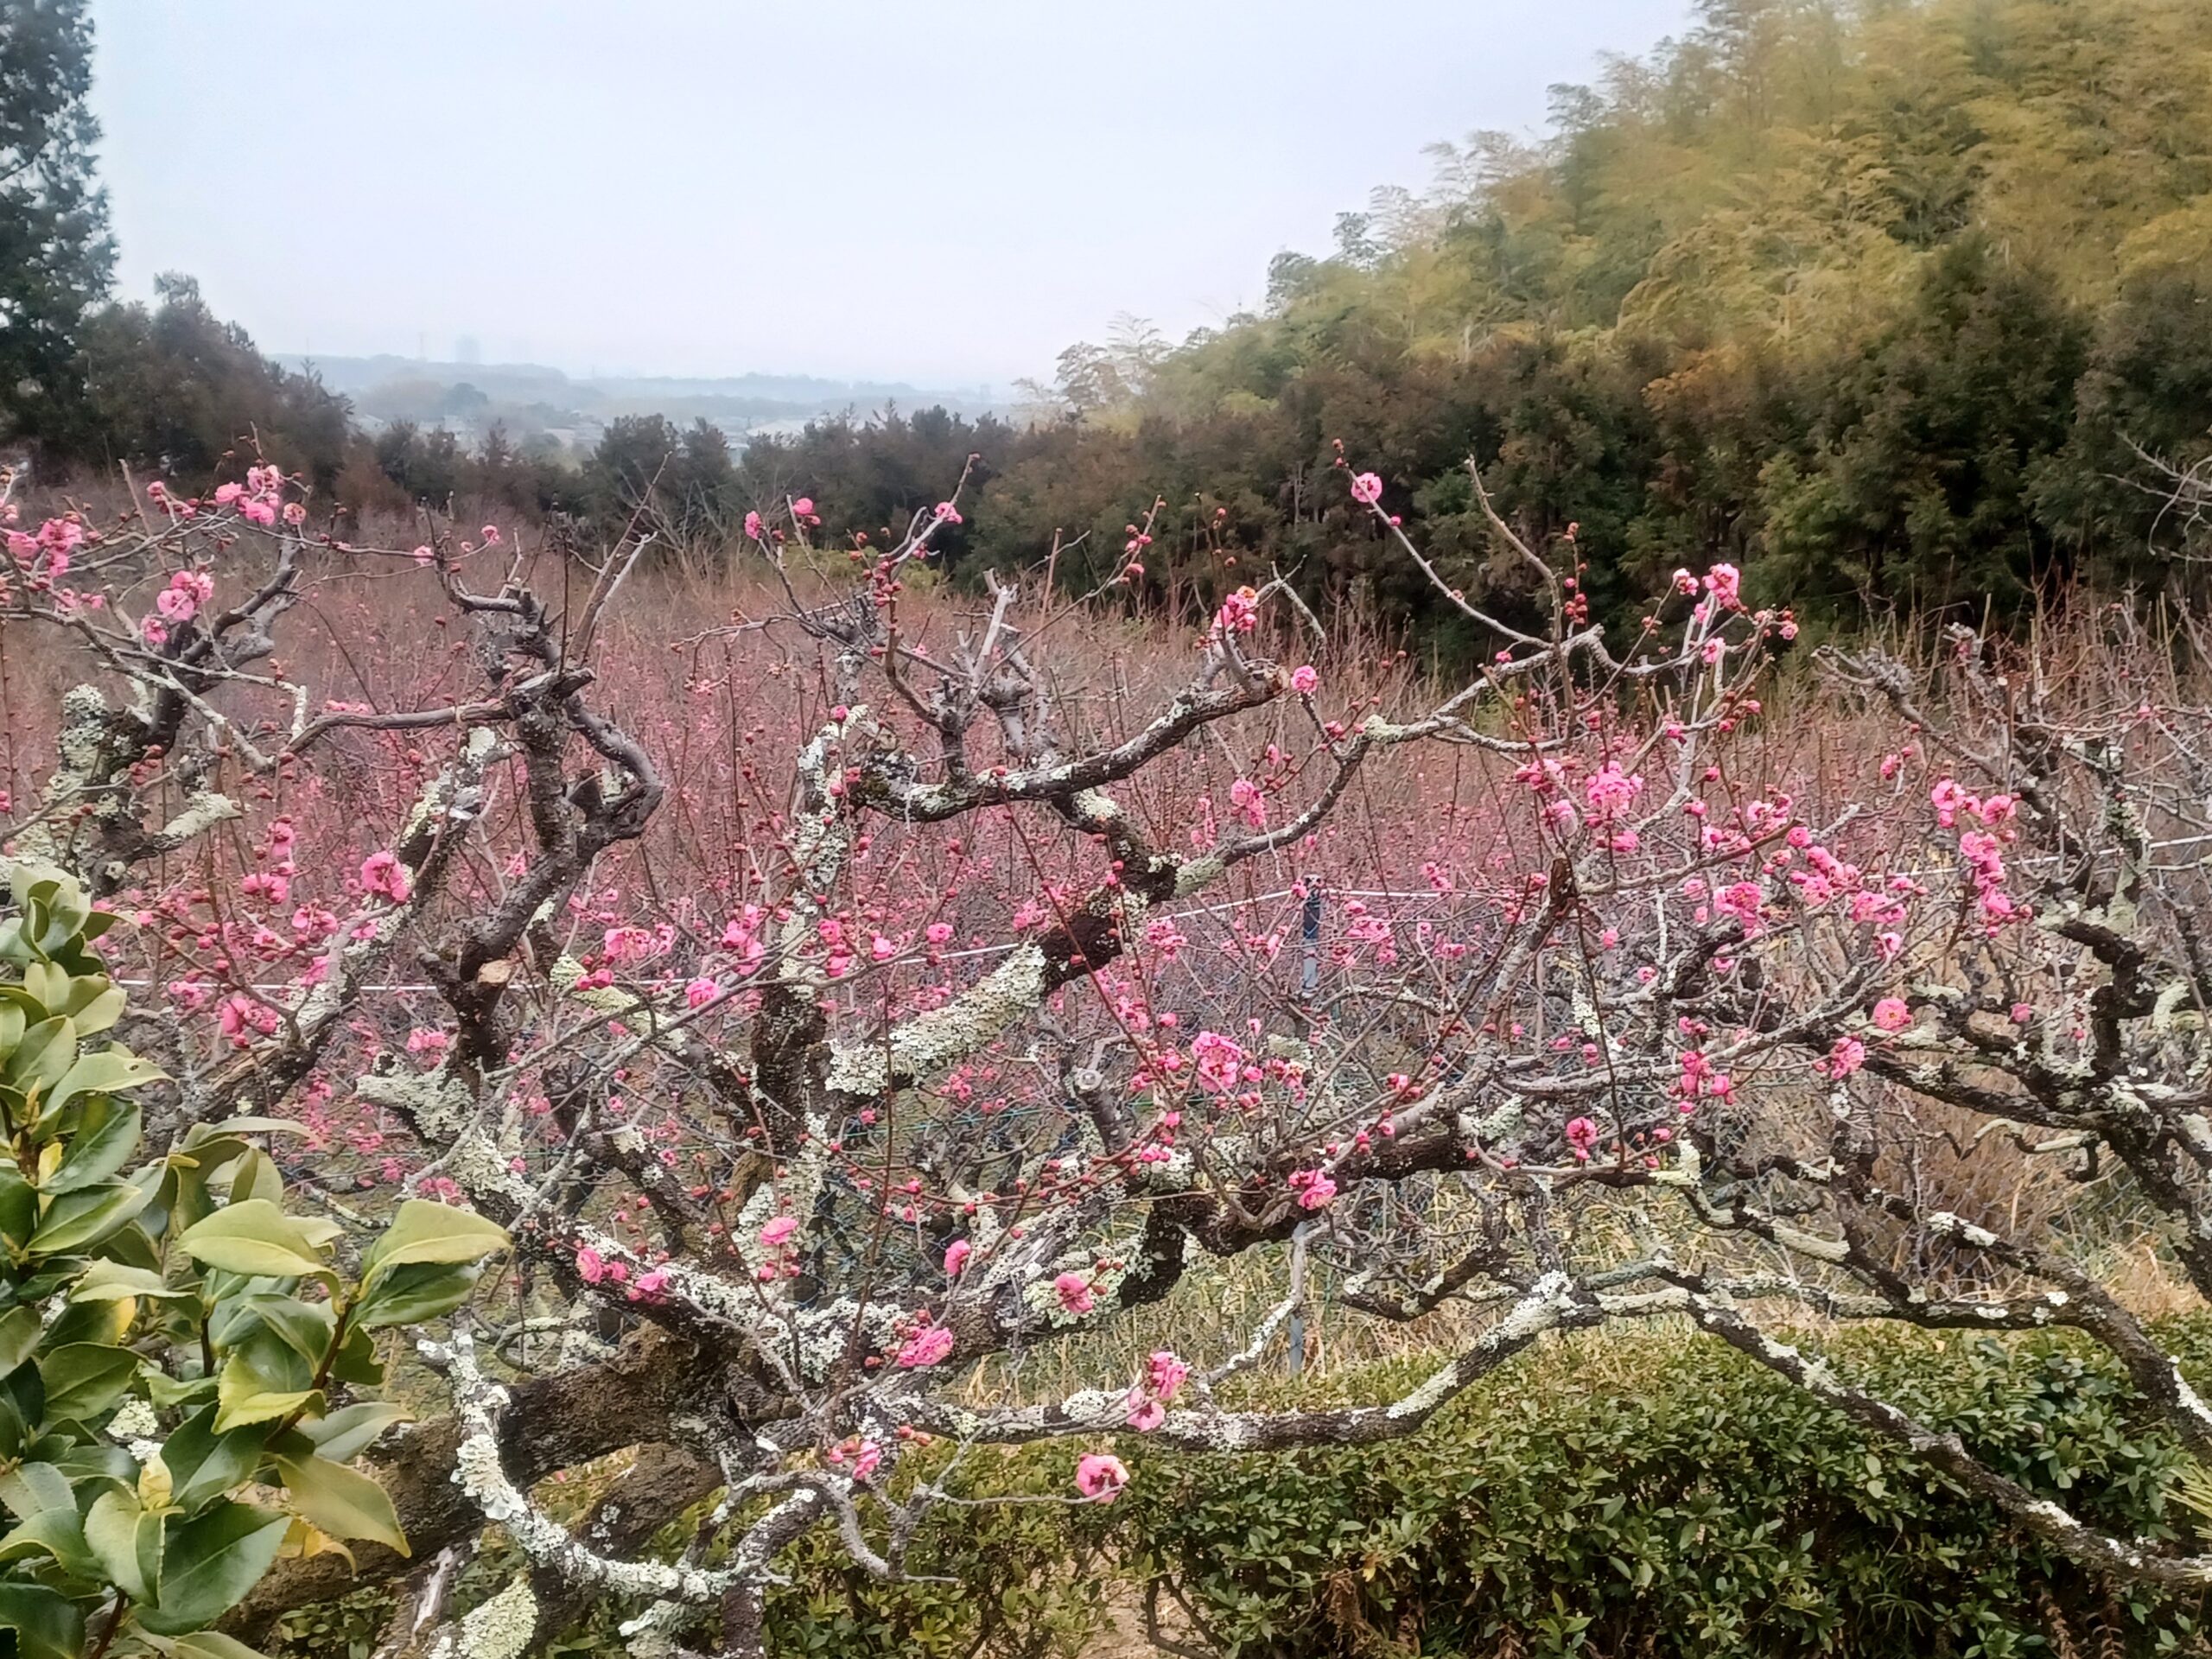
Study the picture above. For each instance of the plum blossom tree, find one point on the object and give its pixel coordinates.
(989, 1034)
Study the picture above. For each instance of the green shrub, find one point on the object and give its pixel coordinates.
(169, 1336)
(1643, 1495)
(1684, 1502)
(1616, 1496)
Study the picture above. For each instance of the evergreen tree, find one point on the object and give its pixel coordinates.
(55, 257)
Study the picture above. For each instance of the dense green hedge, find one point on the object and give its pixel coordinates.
(1678, 1502)
(1649, 1495)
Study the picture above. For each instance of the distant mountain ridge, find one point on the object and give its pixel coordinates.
(531, 400)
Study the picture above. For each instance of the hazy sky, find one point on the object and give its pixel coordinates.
(941, 191)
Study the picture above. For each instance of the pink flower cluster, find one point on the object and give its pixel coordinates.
(1148, 1401)
(1612, 793)
(241, 1019)
(274, 884)
(383, 875)
(1239, 612)
(1249, 801)
(1982, 849)
(1099, 1476)
(1313, 1187)
(1219, 1062)
(259, 499)
(593, 1268)
(930, 1346)
(626, 945)
(858, 1457)
(1846, 1058)
(741, 936)
(779, 1256)
(1700, 1079)
(187, 591)
(44, 556)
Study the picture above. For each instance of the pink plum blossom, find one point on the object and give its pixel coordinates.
(1099, 1476)
(926, 1348)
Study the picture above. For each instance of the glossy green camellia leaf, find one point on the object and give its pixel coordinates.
(420, 1290)
(97, 1461)
(357, 1362)
(347, 1433)
(108, 1281)
(47, 1624)
(212, 1644)
(127, 1541)
(57, 1534)
(48, 985)
(275, 1362)
(18, 1209)
(78, 1221)
(303, 1327)
(85, 1378)
(133, 1246)
(243, 1395)
(106, 1322)
(103, 1144)
(204, 1464)
(20, 1331)
(95, 1003)
(424, 1231)
(46, 1052)
(167, 1391)
(14, 1019)
(254, 1238)
(232, 1127)
(110, 1072)
(14, 1431)
(343, 1502)
(209, 1565)
(24, 1391)
(254, 1176)
(32, 1489)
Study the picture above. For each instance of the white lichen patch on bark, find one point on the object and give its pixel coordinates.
(84, 719)
(476, 1471)
(499, 1628)
(1958, 1227)
(1812, 1244)
(1198, 874)
(1540, 1311)
(933, 1042)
